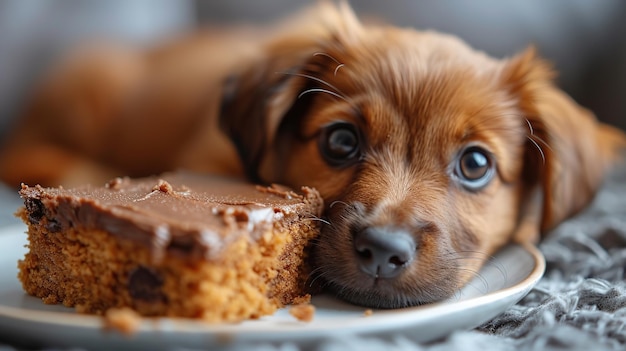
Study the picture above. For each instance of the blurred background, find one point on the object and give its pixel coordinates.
(586, 40)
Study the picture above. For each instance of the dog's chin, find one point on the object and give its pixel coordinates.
(372, 298)
(388, 293)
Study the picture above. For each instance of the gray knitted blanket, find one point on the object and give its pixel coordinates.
(580, 304)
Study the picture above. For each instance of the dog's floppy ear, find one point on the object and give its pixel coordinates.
(264, 96)
(253, 104)
(568, 151)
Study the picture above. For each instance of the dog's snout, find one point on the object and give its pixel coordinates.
(384, 252)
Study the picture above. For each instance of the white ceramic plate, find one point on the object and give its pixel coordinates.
(507, 278)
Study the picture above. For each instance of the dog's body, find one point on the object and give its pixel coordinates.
(429, 155)
(112, 110)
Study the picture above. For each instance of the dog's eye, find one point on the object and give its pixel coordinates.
(339, 144)
(475, 168)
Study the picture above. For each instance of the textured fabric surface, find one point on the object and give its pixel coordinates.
(580, 303)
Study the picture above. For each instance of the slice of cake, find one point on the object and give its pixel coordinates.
(176, 245)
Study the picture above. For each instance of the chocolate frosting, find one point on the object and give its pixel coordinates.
(180, 213)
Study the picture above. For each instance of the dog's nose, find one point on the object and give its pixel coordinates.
(384, 252)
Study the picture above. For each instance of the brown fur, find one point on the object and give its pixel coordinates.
(416, 100)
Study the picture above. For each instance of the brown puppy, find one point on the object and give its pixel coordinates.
(430, 155)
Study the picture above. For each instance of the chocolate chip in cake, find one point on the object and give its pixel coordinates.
(145, 284)
(53, 226)
(241, 216)
(35, 210)
(181, 245)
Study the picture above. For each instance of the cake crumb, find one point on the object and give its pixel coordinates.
(114, 184)
(368, 312)
(125, 320)
(163, 186)
(300, 300)
(303, 312)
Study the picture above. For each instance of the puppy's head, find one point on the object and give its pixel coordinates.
(429, 155)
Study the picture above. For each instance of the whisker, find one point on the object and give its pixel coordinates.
(327, 55)
(535, 138)
(320, 90)
(543, 157)
(482, 256)
(338, 202)
(475, 275)
(319, 220)
(308, 76)
(337, 68)
(543, 142)
(319, 273)
(315, 275)
(499, 267)
(312, 283)
(456, 295)
(529, 137)
(530, 126)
